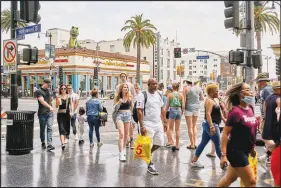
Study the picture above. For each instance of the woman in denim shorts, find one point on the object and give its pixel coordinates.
(176, 105)
(123, 119)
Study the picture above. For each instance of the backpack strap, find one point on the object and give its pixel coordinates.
(145, 100)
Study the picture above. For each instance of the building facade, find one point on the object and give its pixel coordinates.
(78, 70)
(161, 54)
(202, 65)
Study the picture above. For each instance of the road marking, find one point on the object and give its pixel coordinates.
(198, 183)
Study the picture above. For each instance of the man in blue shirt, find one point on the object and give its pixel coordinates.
(265, 91)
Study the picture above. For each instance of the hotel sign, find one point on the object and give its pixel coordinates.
(116, 64)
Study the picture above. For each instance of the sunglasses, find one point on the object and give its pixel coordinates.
(63, 88)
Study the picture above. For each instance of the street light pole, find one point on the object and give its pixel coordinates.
(14, 85)
(97, 63)
(49, 34)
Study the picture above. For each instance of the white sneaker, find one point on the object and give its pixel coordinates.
(76, 137)
(92, 145)
(124, 152)
(100, 144)
(262, 158)
(196, 164)
(66, 141)
(122, 157)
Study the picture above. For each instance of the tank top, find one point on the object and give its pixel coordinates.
(64, 106)
(175, 101)
(192, 99)
(215, 114)
(270, 130)
(125, 106)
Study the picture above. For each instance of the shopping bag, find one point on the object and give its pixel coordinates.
(142, 149)
(254, 164)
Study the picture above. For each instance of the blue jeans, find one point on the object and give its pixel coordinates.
(73, 123)
(94, 122)
(46, 120)
(206, 136)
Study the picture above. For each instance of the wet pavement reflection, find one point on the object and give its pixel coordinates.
(82, 166)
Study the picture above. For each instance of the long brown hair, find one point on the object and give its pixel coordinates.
(120, 93)
(232, 96)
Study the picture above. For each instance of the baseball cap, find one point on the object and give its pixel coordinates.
(47, 81)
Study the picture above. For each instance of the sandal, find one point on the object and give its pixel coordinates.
(189, 147)
(210, 155)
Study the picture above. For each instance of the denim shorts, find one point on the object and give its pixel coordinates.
(175, 113)
(124, 116)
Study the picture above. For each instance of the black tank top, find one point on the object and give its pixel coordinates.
(215, 114)
(64, 105)
(125, 106)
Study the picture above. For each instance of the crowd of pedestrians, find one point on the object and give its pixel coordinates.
(159, 113)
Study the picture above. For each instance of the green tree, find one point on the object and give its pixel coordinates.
(6, 21)
(140, 34)
(265, 19)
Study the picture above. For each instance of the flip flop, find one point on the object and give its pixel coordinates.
(189, 147)
(210, 155)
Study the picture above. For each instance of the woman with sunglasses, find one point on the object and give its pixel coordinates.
(241, 127)
(65, 107)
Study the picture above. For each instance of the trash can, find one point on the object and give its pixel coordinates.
(19, 133)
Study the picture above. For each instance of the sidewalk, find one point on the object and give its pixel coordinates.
(100, 167)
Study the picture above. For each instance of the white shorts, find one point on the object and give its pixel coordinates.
(156, 133)
(194, 113)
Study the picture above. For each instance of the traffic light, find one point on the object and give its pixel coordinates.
(61, 74)
(236, 57)
(278, 67)
(30, 55)
(231, 14)
(177, 52)
(29, 11)
(257, 60)
(96, 74)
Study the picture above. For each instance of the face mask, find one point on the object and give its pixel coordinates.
(249, 100)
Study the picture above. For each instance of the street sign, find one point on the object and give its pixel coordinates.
(47, 51)
(10, 55)
(20, 32)
(202, 57)
(185, 51)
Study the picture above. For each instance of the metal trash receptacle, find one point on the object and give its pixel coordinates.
(19, 133)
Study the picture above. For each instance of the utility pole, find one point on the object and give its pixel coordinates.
(250, 71)
(14, 85)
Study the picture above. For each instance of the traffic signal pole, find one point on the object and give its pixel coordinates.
(14, 85)
(250, 71)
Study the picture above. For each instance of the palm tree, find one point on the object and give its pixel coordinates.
(141, 34)
(6, 21)
(264, 18)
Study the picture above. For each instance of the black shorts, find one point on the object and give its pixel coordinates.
(237, 158)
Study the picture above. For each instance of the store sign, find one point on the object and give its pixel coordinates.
(57, 60)
(116, 64)
(155, 70)
(180, 70)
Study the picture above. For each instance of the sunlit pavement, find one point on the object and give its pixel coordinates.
(80, 166)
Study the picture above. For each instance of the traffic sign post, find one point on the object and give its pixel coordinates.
(10, 55)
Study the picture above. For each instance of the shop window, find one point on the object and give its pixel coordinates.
(69, 79)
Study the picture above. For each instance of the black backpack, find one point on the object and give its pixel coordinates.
(135, 110)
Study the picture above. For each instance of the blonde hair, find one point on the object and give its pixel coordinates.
(167, 92)
(211, 87)
(175, 85)
(120, 94)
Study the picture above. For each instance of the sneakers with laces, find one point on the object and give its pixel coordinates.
(151, 169)
(122, 157)
(100, 144)
(197, 164)
(76, 137)
(50, 147)
(262, 158)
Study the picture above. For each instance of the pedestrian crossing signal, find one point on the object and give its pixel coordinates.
(96, 76)
(61, 74)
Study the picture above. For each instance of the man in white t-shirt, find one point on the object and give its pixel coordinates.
(152, 119)
(75, 101)
(123, 77)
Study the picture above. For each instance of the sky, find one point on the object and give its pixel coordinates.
(198, 24)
